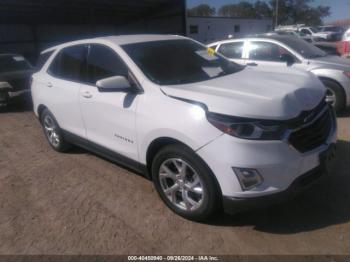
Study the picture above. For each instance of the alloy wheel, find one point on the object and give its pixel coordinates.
(51, 131)
(331, 97)
(181, 184)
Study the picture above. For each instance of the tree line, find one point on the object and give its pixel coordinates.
(289, 11)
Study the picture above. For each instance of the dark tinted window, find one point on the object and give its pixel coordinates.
(172, 62)
(103, 62)
(232, 50)
(42, 60)
(12, 63)
(266, 51)
(70, 63)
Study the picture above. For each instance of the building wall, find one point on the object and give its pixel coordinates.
(29, 39)
(210, 29)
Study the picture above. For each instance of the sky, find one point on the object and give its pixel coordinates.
(340, 9)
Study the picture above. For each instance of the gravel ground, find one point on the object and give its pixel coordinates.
(78, 203)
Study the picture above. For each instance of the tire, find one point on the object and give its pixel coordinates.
(53, 132)
(335, 95)
(193, 194)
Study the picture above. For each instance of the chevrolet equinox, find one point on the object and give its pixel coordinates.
(209, 133)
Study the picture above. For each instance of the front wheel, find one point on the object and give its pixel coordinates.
(185, 183)
(53, 132)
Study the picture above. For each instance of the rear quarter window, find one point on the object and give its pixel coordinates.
(70, 64)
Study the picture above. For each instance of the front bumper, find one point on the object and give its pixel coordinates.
(278, 163)
(233, 205)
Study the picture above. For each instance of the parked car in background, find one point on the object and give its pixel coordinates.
(15, 73)
(275, 53)
(208, 132)
(346, 35)
(298, 34)
(337, 30)
(344, 48)
(317, 35)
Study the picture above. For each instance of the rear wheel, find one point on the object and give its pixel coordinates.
(53, 132)
(334, 95)
(185, 183)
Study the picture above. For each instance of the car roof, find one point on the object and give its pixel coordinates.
(120, 40)
(275, 37)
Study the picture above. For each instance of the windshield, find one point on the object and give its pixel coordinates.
(10, 63)
(173, 62)
(302, 47)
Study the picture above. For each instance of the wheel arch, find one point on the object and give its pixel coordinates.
(40, 110)
(156, 145)
(325, 78)
(161, 142)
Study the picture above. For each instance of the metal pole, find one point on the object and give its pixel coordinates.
(276, 14)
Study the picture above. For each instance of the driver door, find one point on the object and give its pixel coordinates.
(109, 117)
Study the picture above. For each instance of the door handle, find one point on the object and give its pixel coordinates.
(87, 94)
(252, 64)
(49, 84)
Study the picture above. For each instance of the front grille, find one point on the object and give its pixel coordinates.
(312, 135)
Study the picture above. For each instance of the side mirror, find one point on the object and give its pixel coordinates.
(289, 59)
(114, 84)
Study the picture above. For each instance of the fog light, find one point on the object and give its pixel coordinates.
(248, 178)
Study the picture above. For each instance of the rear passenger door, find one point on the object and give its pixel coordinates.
(109, 117)
(62, 87)
(233, 51)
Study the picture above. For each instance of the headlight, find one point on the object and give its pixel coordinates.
(247, 128)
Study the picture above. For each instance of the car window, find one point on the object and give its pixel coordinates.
(103, 62)
(232, 50)
(69, 63)
(12, 63)
(266, 51)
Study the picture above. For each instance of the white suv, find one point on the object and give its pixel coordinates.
(208, 132)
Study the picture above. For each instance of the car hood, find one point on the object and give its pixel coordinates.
(332, 62)
(255, 94)
(14, 75)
